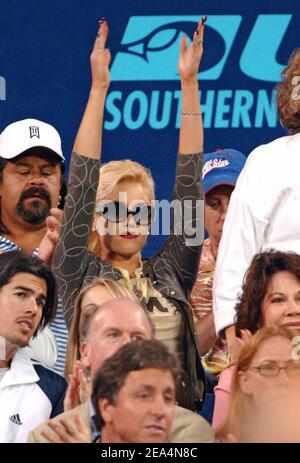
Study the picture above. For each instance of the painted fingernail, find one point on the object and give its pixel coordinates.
(203, 20)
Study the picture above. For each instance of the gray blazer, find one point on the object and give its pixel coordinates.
(188, 427)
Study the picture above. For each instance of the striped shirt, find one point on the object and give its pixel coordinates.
(58, 325)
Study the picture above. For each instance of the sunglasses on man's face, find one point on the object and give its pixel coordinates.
(118, 212)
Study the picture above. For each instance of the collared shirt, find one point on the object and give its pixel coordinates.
(94, 431)
(57, 326)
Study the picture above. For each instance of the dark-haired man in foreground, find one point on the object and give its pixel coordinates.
(133, 396)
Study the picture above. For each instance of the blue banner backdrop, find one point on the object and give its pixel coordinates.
(44, 72)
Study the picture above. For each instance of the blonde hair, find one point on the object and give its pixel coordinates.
(242, 405)
(111, 174)
(75, 336)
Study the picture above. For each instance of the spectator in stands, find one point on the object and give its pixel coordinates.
(266, 372)
(133, 395)
(29, 393)
(94, 294)
(220, 173)
(32, 187)
(263, 211)
(270, 293)
(270, 296)
(108, 328)
(123, 215)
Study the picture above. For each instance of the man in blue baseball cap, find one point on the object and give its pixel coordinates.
(222, 168)
(220, 174)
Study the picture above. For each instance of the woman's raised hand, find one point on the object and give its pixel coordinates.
(190, 57)
(100, 58)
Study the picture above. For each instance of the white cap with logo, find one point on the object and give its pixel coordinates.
(27, 134)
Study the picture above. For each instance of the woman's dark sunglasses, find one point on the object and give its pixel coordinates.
(118, 212)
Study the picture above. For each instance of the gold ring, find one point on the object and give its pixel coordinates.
(200, 41)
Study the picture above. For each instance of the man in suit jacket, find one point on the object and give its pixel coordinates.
(109, 327)
(188, 427)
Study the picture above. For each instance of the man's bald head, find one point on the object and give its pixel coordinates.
(112, 325)
(117, 306)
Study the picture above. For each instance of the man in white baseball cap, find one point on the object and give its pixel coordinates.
(32, 187)
(30, 135)
(31, 175)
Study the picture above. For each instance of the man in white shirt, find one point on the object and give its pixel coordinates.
(264, 209)
(29, 392)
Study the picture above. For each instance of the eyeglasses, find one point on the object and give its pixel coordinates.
(292, 368)
(118, 212)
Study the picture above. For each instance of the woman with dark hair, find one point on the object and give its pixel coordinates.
(265, 298)
(270, 296)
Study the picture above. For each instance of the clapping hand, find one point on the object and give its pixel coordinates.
(67, 431)
(48, 243)
(79, 388)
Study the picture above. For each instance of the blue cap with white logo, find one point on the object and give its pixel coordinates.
(222, 168)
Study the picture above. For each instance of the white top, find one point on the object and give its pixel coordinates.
(49, 347)
(29, 395)
(43, 348)
(264, 213)
(3, 372)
